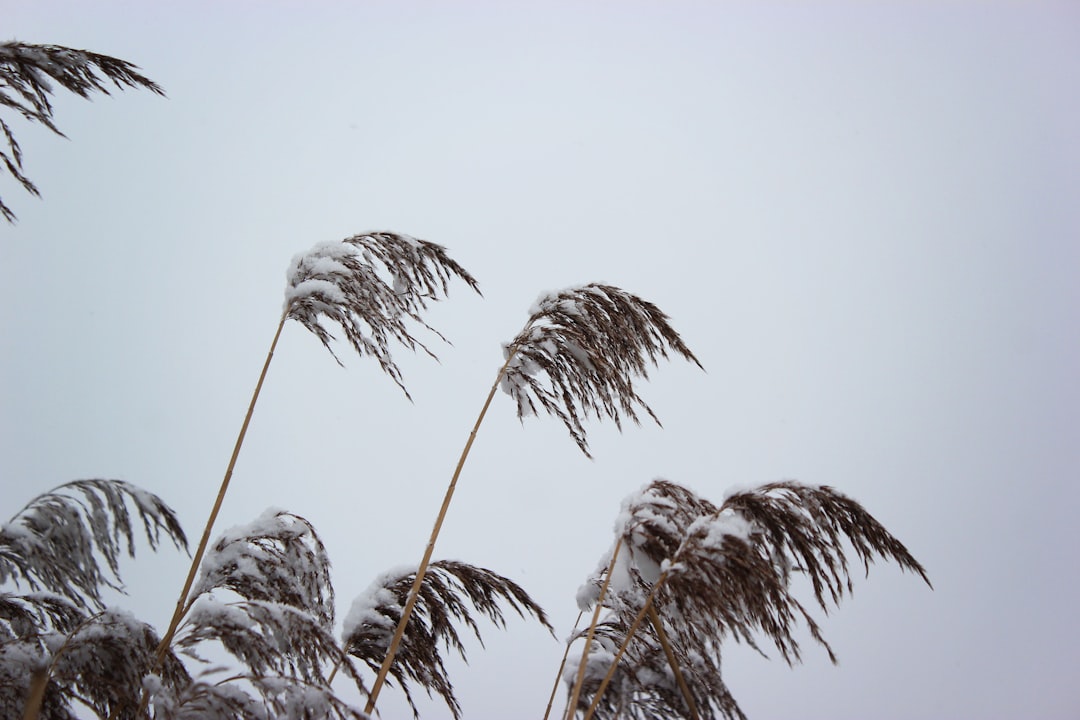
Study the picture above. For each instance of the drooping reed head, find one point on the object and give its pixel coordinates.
(370, 285)
(718, 571)
(28, 71)
(590, 342)
(448, 589)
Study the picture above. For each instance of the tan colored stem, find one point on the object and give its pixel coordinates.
(654, 618)
(421, 571)
(622, 647)
(182, 601)
(562, 665)
(39, 679)
(571, 707)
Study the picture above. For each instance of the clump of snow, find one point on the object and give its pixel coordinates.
(712, 530)
(365, 606)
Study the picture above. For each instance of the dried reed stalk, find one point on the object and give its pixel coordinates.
(369, 285)
(590, 342)
(26, 70)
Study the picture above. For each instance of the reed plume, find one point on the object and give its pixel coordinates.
(59, 645)
(710, 572)
(590, 343)
(26, 76)
(447, 591)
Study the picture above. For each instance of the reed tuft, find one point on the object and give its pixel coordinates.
(369, 285)
(710, 572)
(447, 590)
(26, 76)
(590, 343)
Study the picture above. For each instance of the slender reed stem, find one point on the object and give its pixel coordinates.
(654, 618)
(622, 647)
(182, 601)
(558, 675)
(571, 707)
(414, 592)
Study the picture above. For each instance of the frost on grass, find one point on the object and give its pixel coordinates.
(447, 591)
(713, 572)
(371, 286)
(581, 350)
(27, 74)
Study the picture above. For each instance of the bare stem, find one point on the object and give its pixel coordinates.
(571, 707)
(558, 675)
(654, 618)
(622, 647)
(421, 571)
(182, 601)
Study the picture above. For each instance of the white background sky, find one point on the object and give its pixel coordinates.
(862, 217)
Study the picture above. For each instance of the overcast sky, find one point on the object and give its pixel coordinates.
(864, 219)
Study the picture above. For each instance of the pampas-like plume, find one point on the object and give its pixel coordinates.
(26, 76)
(447, 591)
(368, 285)
(710, 572)
(65, 546)
(373, 280)
(69, 540)
(590, 343)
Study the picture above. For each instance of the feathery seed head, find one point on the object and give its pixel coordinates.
(369, 285)
(590, 342)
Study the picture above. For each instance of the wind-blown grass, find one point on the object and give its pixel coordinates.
(368, 284)
(27, 74)
(576, 357)
(710, 572)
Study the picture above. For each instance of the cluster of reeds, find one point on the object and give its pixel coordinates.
(683, 575)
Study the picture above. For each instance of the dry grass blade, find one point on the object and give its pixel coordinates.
(590, 342)
(369, 285)
(69, 540)
(447, 591)
(711, 571)
(27, 74)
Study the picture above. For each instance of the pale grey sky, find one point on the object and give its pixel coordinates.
(862, 217)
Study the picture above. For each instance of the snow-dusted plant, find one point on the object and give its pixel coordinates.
(369, 285)
(27, 74)
(700, 573)
(448, 589)
(577, 356)
(59, 643)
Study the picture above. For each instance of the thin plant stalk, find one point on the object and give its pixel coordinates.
(654, 618)
(571, 706)
(182, 601)
(414, 592)
(622, 647)
(562, 665)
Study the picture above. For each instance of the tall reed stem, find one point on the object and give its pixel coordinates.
(571, 707)
(182, 601)
(562, 665)
(654, 618)
(625, 644)
(421, 571)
